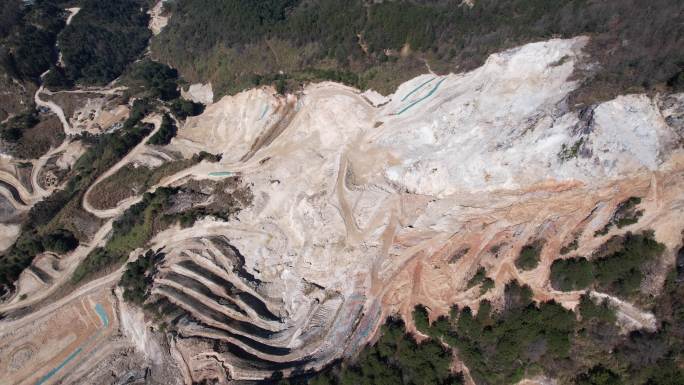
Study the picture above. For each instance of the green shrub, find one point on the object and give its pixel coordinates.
(137, 279)
(103, 38)
(487, 284)
(571, 274)
(166, 132)
(203, 155)
(14, 128)
(139, 109)
(618, 272)
(96, 261)
(479, 276)
(621, 271)
(572, 246)
(529, 256)
(421, 320)
(183, 108)
(155, 80)
(599, 375)
(625, 214)
(589, 309)
(571, 152)
(60, 241)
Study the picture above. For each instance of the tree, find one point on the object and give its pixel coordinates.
(183, 108)
(571, 274)
(156, 80)
(588, 309)
(60, 241)
(421, 319)
(529, 256)
(103, 38)
(13, 130)
(599, 375)
(166, 132)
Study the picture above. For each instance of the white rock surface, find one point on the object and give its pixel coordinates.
(199, 93)
(375, 98)
(8, 234)
(499, 127)
(157, 20)
(352, 191)
(134, 326)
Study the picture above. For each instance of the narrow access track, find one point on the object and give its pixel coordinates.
(155, 119)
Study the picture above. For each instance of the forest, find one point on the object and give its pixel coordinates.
(103, 38)
(616, 268)
(43, 229)
(27, 37)
(239, 43)
(523, 339)
(132, 230)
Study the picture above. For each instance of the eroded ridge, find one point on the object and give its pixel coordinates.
(202, 287)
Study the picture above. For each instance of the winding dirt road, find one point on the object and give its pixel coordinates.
(155, 119)
(73, 259)
(57, 110)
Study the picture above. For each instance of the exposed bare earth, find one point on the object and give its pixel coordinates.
(365, 206)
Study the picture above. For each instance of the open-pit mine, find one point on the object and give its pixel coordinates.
(345, 207)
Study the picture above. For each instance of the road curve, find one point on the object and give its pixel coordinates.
(57, 110)
(155, 119)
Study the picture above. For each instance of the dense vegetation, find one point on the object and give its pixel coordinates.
(571, 274)
(167, 130)
(138, 276)
(503, 346)
(132, 230)
(529, 256)
(395, 359)
(103, 38)
(621, 271)
(28, 33)
(524, 339)
(139, 109)
(14, 128)
(183, 108)
(149, 80)
(155, 80)
(617, 268)
(238, 43)
(54, 213)
(626, 213)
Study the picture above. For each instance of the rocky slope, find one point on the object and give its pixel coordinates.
(364, 209)
(354, 206)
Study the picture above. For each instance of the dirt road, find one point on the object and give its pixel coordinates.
(137, 150)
